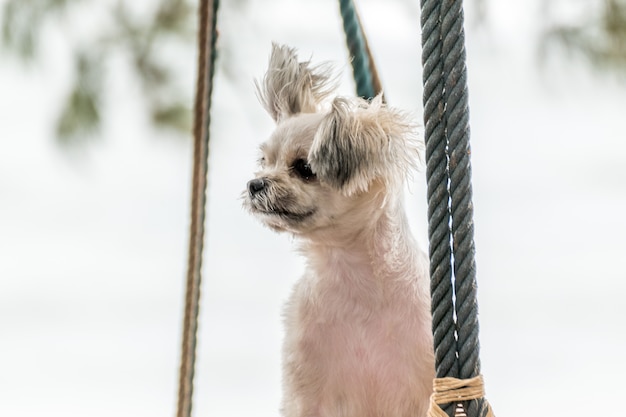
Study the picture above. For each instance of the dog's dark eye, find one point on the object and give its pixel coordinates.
(303, 169)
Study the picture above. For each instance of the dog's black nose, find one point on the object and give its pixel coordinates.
(256, 185)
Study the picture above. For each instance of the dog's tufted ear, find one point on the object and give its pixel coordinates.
(359, 142)
(290, 87)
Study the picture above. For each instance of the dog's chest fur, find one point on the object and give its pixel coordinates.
(358, 340)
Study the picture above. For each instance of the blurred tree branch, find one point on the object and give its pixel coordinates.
(599, 36)
(22, 21)
(22, 24)
(81, 113)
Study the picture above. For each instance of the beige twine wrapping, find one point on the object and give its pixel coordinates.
(453, 390)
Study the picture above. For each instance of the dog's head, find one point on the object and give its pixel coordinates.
(330, 168)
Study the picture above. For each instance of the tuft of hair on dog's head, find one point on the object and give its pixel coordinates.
(359, 142)
(290, 87)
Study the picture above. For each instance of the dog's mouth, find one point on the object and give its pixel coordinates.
(284, 208)
(286, 214)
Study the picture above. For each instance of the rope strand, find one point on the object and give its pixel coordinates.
(206, 65)
(368, 83)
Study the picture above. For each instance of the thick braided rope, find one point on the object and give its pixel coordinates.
(457, 127)
(453, 277)
(363, 68)
(207, 36)
(438, 195)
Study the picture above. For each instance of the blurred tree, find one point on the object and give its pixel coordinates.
(598, 33)
(23, 22)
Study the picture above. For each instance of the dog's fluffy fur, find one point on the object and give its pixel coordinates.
(358, 337)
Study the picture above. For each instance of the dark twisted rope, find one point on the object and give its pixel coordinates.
(438, 196)
(207, 36)
(368, 84)
(450, 209)
(461, 197)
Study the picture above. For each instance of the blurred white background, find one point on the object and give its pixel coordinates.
(93, 238)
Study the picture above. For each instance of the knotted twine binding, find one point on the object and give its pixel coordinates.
(455, 391)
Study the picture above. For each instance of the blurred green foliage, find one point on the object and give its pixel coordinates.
(599, 35)
(81, 113)
(136, 39)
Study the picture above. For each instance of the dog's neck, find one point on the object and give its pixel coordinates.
(377, 257)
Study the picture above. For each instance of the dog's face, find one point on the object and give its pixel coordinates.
(324, 169)
(285, 193)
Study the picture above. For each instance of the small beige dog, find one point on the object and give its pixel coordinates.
(358, 337)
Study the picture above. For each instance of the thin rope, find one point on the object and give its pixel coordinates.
(449, 191)
(207, 35)
(366, 78)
